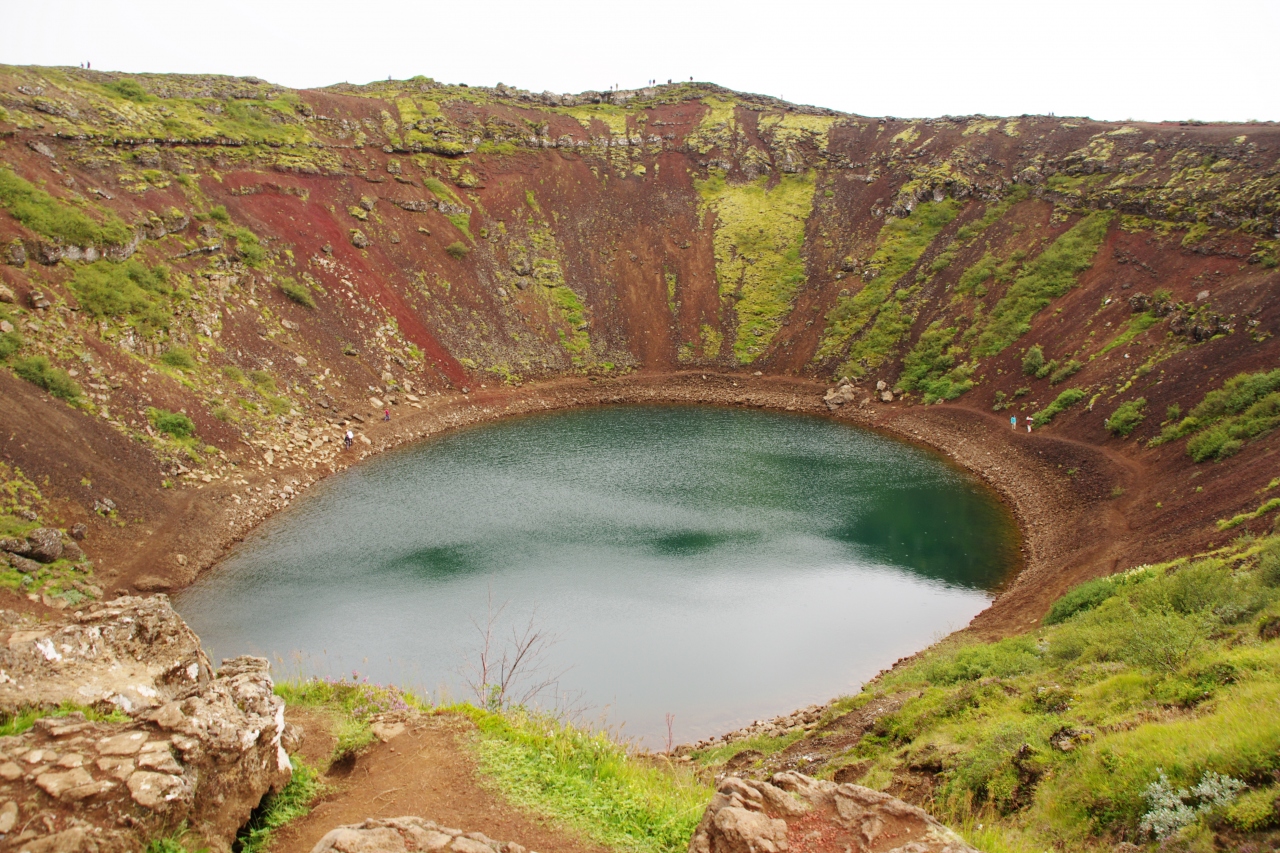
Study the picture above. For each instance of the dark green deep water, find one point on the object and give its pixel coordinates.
(722, 565)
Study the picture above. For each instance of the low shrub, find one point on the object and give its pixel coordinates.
(1033, 360)
(298, 292)
(457, 250)
(38, 371)
(1065, 372)
(179, 358)
(249, 247)
(1064, 401)
(10, 343)
(1126, 417)
(175, 424)
(1084, 597)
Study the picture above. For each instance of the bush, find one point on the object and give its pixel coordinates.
(250, 249)
(1254, 810)
(1126, 417)
(128, 291)
(1065, 372)
(1033, 361)
(457, 250)
(128, 89)
(10, 343)
(179, 358)
(56, 381)
(219, 214)
(1065, 400)
(263, 380)
(175, 424)
(48, 216)
(233, 373)
(1269, 565)
(299, 293)
(1086, 596)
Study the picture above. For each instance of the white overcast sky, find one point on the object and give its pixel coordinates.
(1112, 59)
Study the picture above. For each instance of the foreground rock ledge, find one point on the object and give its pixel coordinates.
(408, 835)
(197, 748)
(797, 814)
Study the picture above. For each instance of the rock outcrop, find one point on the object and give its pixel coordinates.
(408, 835)
(170, 742)
(797, 814)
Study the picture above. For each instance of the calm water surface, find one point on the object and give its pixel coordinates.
(721, 565)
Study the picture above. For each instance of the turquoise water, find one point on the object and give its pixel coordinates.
(721, 565)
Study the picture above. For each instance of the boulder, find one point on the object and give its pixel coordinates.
(15, 546)
(837, 397)
(358, 239)
(408, 835)
(46, 544)
(79, 531)
(795, 812)
(197, 748)
(24, 565)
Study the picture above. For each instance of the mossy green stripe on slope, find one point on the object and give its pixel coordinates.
(878, 308)
(759, 235)
(1045, 278)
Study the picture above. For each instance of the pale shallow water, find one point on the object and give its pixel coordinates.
(721, 565)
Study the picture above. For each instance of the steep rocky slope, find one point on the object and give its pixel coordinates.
(206, 278)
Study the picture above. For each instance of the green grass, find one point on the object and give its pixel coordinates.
(10, 343)
(588, 782)
(1138, 324)
(293, 801)
(17, 723)
(1158, 670)
(1245, 407)
(1127, 416)
(879, 312)
(58, 220)
(180, 358)
(38, 371)
(298, 292)
(249, 247)
(759, 243)
(1064, 401)
(132, 292)
(355, 701)
(575, 777)
(1049, 275)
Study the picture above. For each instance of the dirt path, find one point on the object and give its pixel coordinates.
(427, 772)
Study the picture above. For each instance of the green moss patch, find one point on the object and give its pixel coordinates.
(1050, 275)
(759, 237)
(58, 220)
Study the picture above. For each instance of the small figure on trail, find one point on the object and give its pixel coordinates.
(1028, 425)
(348, 439)
(1013, 421)
(386, 414)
